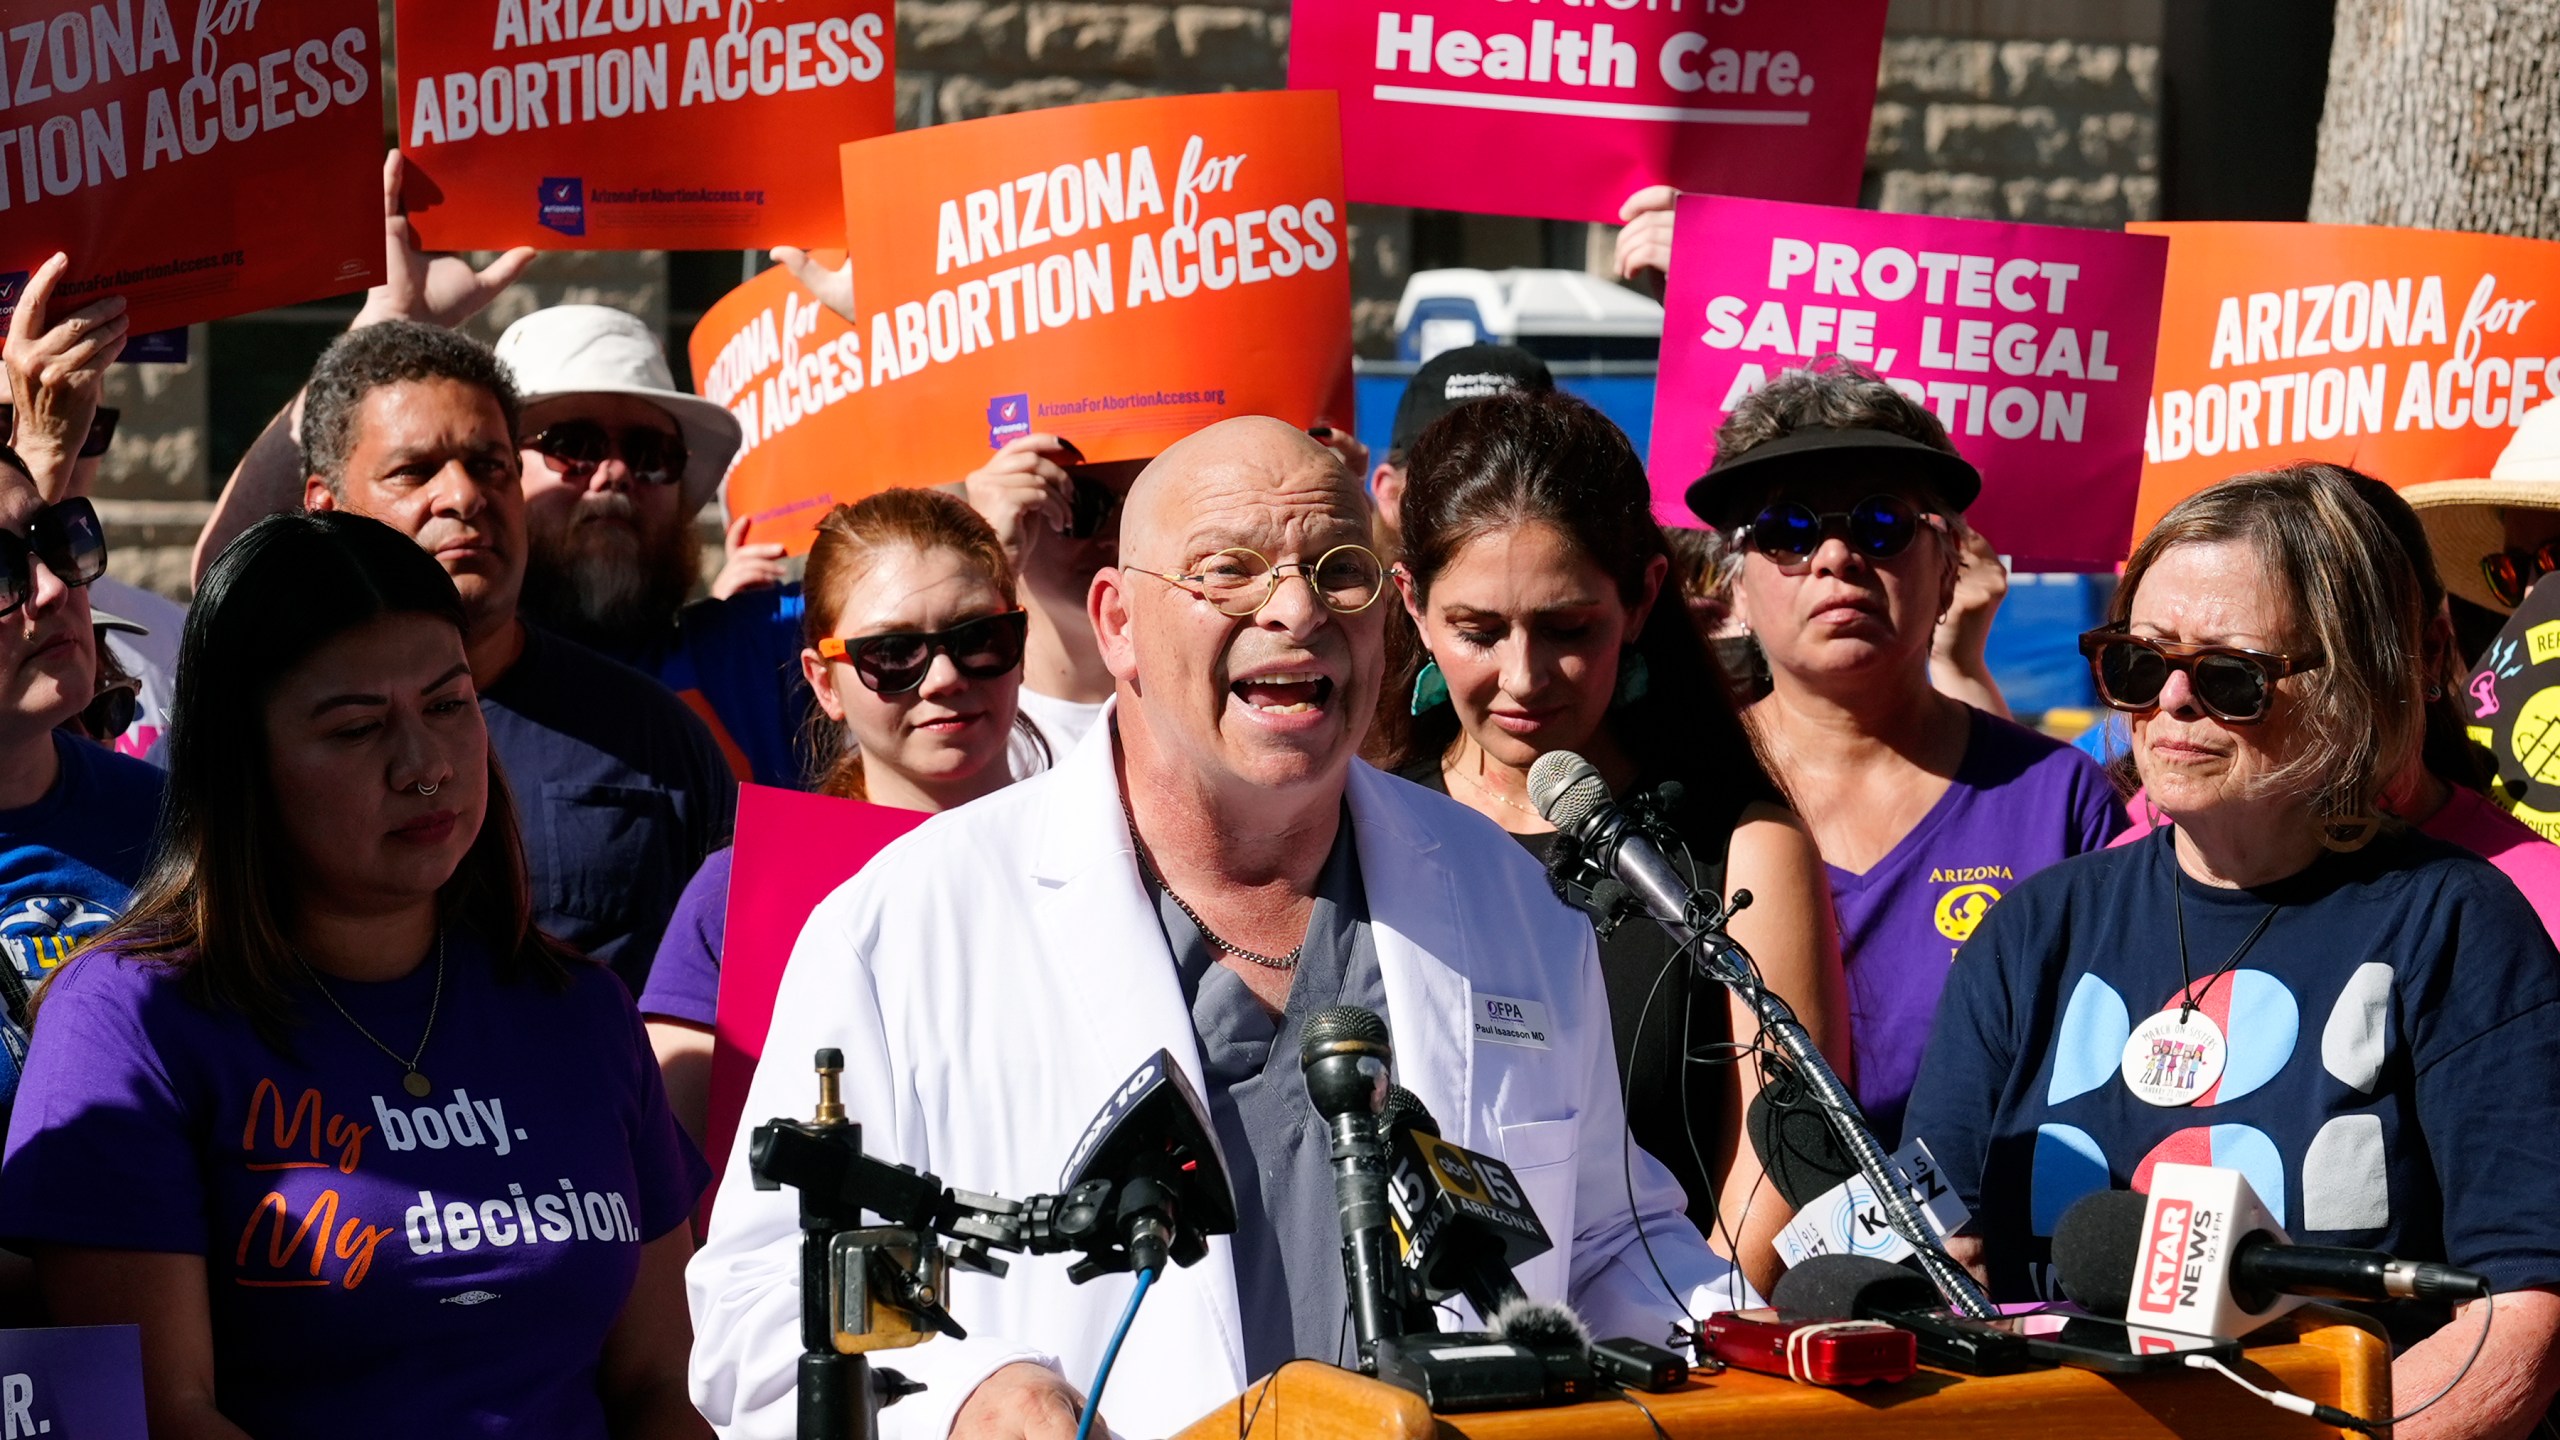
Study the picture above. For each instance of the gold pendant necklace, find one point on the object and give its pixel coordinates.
(414, 1082)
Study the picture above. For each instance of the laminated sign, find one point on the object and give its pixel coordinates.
(636, 124)
(2031, 344)
(1119, 274)
(2408, 354)
(201, 158)
(1564, 108)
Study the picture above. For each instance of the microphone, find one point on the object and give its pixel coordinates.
(1567, 790)
(1144, 1183)
(1794, 1140)
(1464, 1224)
(1862, 1287)
(2201, 1256)
(1343, 1054)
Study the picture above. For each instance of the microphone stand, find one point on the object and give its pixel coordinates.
(1687, 918)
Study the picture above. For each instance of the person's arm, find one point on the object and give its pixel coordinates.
(431, 289)
(642, 1374)
(2509, 1386)
(1645, 242)
(1957, 666)
(684, 1061)
(1788, 931)
(165, 1296)
(748, 566)
(57, 370)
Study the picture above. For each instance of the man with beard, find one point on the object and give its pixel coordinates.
(617, 462)
(622, 790)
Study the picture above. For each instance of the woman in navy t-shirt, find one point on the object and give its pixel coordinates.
(356, 1147)
(2362, 1021)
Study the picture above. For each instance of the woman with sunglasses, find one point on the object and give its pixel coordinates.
(2369, 1017)
(324, 1114)
(1543, 620)
(915, 657)
(2444, 790)
(75, 817)
(1847, 498)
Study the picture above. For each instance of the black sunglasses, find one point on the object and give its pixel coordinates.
(895, 664)
(574, 448)
(65, 537)
(2232, 684)
(2510, 573)
(102, 429)
(1878, 527)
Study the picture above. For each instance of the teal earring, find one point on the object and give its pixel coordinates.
(1430, 688)
(1635, 678)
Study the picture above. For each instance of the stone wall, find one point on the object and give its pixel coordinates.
(2057, 132)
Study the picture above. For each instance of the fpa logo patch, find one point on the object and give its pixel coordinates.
(13, 284)
(1008, 418)
(561, 204)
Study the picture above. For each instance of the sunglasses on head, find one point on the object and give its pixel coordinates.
(102, 429)
(65, 537)
(2510, 573)
(2232, 684)
(1878, 527)
(574, 448)
(895, 664)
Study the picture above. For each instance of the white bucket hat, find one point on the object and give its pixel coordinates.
(2461, 516)
(590, 350)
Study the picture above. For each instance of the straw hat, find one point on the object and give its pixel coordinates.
(2461, 516)
(590, 350)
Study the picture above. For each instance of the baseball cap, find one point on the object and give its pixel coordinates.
(591, 350)
(1454, 377)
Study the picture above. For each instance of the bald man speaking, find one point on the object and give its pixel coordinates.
(1210, 868)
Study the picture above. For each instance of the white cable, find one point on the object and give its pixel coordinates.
(2277, 1398)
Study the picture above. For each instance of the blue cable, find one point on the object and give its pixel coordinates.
(1111, 1355)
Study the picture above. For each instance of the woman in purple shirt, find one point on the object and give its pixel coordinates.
(915, 658)
(1847, 500)
(353, 1144)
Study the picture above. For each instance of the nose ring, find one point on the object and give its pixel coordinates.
(428, 789)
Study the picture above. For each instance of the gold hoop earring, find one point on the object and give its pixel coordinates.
(2350, 834)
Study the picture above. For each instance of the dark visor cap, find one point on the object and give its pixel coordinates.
(1730, 487)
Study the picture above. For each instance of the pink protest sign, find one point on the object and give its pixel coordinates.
(2032, 343)
(1506, 109)
(793, 849)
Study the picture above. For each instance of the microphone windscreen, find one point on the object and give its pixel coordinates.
(1540, 1326)
(1404, 1110)
(1795, 1142)
(2096, 1247)
(1852, 1287)
(1566, 789)
(1341, 1028)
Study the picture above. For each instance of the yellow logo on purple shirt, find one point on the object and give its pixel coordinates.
(1962, 908)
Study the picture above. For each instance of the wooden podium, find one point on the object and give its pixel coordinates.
(2328, 1355)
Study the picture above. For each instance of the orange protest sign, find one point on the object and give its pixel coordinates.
(2407, 354)
(155, 142)
(636, 124)
(1121, 274)
(788, 368)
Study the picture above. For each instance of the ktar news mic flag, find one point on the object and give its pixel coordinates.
(2408, 354)
(2031, 343)
(1119, 274)
(636, 124)
(1564, 112)
(199, 159)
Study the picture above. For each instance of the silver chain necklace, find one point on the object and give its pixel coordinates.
(414, 1082)
(1267, 962)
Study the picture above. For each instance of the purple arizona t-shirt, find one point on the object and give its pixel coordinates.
(447, 1266)
(2019, 802)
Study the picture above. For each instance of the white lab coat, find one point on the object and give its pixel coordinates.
(992, 976)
